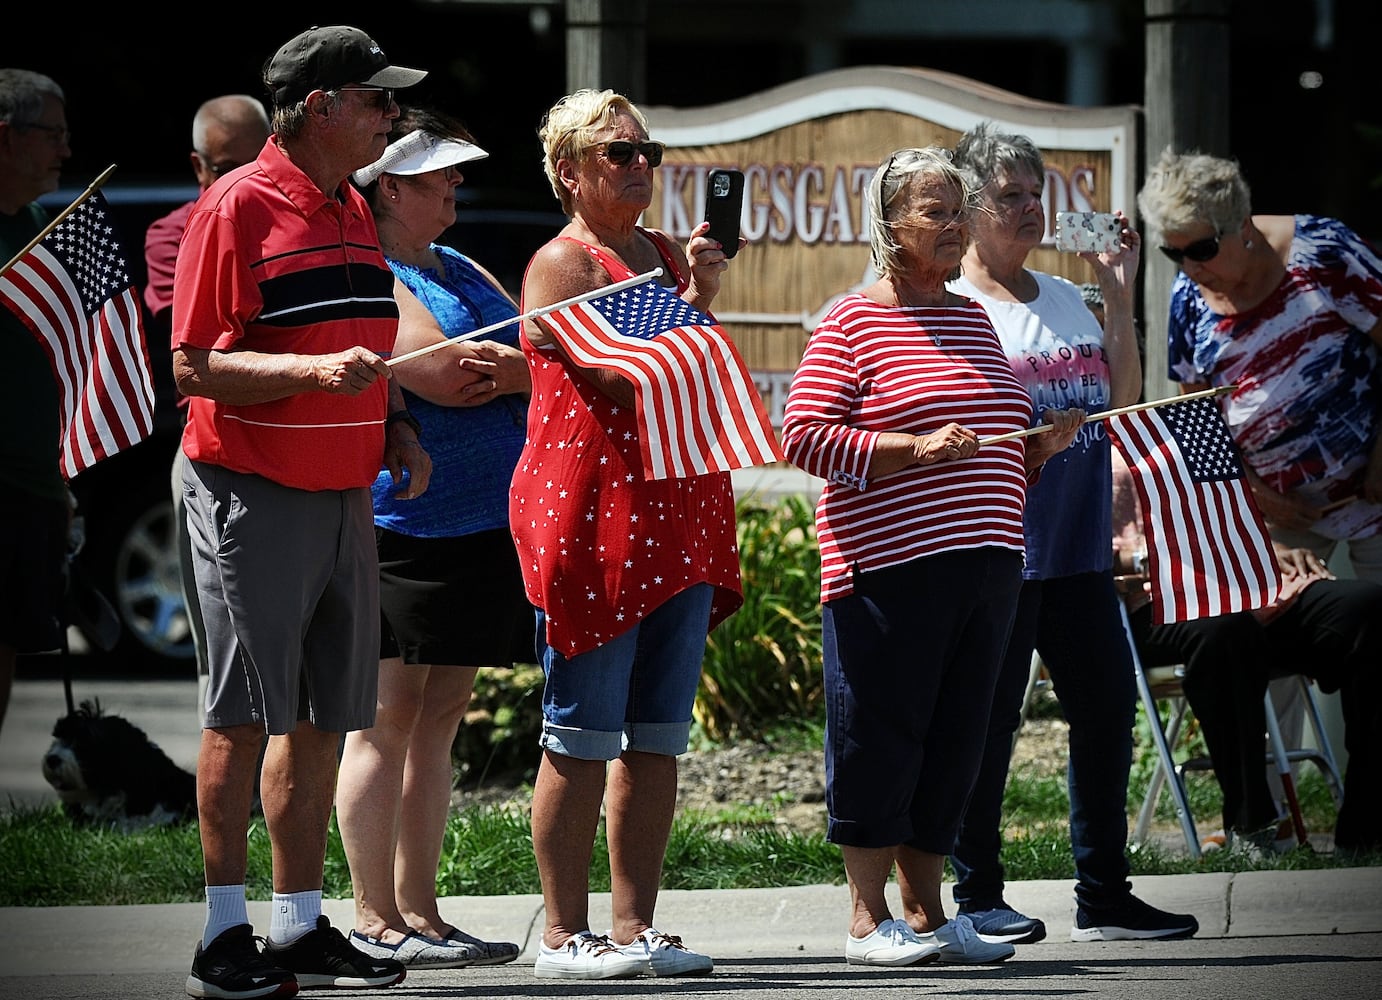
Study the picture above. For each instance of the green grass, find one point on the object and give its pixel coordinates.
(45, 861)
(761, 682)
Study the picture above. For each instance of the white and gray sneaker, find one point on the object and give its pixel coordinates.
(893, 943)
(416, 951)
(483, 952)
(960, 943)
(586, 956)
(665, 955)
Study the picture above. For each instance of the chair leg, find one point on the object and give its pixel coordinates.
(1324, 759)
(1283, 769)
(1034, 682)
(1166, 760)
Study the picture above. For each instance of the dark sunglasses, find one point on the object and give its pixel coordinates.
(383, 95)
(620, 152)
(1199, 251)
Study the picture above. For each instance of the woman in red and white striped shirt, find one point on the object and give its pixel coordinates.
(920, 532)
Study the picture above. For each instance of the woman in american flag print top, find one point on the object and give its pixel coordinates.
(920, 531)
(628, 573)
(1287, 308)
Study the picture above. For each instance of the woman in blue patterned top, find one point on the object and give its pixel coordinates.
(451, 595)
(1288, 309)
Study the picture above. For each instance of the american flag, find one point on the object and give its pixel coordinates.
(1208, 550)
(73, 290)
(698, 408)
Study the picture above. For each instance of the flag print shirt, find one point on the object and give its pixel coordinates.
(1305, 413)
(600, 546)
(1056, 349)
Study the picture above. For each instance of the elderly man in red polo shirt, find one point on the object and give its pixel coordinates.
(283, 313)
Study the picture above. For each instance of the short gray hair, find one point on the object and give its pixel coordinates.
(984, 152)
(21, 95)
(892, 178)
(1184, 190)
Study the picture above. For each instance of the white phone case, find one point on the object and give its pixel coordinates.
(1085, 232)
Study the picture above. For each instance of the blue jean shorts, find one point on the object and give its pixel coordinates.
(635, 692)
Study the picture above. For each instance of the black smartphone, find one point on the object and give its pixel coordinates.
(724, 207)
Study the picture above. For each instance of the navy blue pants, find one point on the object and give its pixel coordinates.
(909, 665)
(1075, 624)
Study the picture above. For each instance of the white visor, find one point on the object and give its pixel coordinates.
(417, 153)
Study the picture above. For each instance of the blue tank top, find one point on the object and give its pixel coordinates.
(473, 449)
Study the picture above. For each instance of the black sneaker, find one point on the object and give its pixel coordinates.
(232, 966)
(323, 957)
(1131, 920)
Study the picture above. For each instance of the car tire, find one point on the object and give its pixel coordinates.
(130, 555)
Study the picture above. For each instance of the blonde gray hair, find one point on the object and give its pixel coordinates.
(570, 126)
(890, 182)
(1185, 190)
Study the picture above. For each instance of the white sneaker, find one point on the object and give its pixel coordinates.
(665, 955)
(586, 956)
(960, 943)
(893, 943)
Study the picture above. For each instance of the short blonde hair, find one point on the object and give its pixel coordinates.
(1184, 190)
(570, 126)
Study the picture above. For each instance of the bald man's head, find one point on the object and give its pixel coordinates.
(227, 132)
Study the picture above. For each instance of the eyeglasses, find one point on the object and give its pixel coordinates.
(386, 92)
(1199, 251)
(58, 133)
(621, 152)
(216, 169)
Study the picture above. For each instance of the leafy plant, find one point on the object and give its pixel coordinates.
(763, 665)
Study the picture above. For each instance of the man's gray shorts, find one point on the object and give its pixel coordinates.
(288, 581)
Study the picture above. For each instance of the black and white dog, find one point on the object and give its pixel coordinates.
(106, 770)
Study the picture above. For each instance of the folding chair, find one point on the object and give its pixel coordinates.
(1164, 684)
(1038, 681)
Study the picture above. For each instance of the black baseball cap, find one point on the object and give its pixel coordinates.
(328, 58)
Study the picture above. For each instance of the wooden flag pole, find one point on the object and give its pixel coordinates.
(92, 188)
(618, 286)
(1105, 414)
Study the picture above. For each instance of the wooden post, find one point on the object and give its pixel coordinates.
(1186, 91)
(606, 46)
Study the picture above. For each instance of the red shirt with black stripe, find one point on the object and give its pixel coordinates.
(270, 264)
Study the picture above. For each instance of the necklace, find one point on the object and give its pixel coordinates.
(933, 331)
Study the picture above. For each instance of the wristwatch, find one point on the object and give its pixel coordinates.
(403, 417)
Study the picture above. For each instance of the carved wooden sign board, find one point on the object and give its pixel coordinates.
(808, 149)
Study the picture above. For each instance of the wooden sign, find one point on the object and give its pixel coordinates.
(808, 149)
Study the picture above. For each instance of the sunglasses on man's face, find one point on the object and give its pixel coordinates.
(1199, 251)
(621, 152)
(383, 96)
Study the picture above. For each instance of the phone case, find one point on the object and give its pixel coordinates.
(1086, 232)
(724, 206)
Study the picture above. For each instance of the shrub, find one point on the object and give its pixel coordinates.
(763, 664)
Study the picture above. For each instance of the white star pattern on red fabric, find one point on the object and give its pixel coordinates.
(594, 580)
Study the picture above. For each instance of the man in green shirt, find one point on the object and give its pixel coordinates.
(34, 505)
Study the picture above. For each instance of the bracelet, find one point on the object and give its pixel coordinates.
(403, 417)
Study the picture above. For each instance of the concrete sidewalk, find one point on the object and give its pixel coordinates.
(743, 923)
(1271, 933)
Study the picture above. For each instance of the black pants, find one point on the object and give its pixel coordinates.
(1333, 633)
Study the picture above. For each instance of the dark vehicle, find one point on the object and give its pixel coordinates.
(125, 501)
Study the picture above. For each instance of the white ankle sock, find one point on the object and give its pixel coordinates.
(225, 908)
(294, 914)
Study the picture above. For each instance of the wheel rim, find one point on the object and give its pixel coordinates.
(148, 589)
